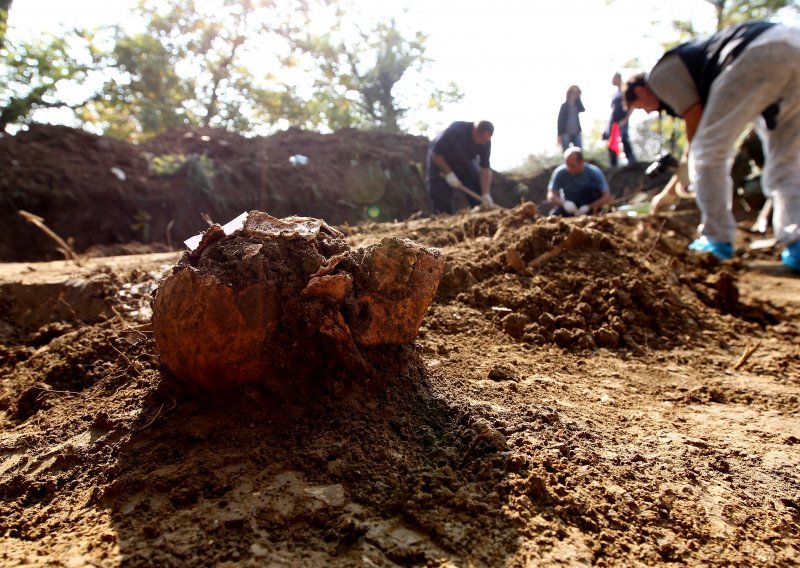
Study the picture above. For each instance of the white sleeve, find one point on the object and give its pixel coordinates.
(671, 82)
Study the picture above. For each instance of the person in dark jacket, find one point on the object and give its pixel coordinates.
(459, 156)
(619, 116)
(569, 123)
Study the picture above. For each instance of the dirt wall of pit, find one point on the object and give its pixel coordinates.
(67, 177)
(99, 191)
(103, 194)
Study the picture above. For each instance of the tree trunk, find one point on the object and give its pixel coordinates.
(5, 6)
(719, 6)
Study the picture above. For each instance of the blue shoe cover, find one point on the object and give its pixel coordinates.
(791, 256)
(723, 251)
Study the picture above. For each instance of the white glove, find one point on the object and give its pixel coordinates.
(452, 180)
(487, 200)
(584, 210)
(569, 207)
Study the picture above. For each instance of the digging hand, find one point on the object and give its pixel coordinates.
(569, 207)
(452, 180)
(487, 200)
(584, 210)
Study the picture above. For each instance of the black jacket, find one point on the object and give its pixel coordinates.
(562, 116)
(707, 58)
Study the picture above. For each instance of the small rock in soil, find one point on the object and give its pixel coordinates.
(503, 373)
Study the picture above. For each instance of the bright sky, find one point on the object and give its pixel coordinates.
(513, 59)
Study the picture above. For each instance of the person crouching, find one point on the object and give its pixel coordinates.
(577, 187)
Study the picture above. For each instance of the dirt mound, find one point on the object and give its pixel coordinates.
(273, 483)
(98, 191)
(110, 195)
(618, 283)
(65, 176)
(350, 176)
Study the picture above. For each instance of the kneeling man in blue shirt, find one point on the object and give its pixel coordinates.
(577, 188)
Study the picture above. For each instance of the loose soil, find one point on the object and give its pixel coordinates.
(593, 410)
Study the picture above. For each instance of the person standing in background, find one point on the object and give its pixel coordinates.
(619, 116)
(569, 123)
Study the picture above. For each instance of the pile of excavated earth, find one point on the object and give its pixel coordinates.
(580, 392)
(105, 196)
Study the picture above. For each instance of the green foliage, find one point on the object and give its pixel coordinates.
(522, 191)
(357, 72)
(141, 226)
(167, 164)
(657, 135)
(185, 69)
(731, 12)
(32, 74)
(535, 164)
(145, 95)
(200, 173)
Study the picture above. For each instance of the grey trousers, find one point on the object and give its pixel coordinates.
(766, 72)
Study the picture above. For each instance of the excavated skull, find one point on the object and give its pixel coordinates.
(279, 300)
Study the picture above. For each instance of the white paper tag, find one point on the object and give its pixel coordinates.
(228, 228)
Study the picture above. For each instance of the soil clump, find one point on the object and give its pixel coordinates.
(287, 297)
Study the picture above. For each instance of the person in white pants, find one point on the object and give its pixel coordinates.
(743, 74)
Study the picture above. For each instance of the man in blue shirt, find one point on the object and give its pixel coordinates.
(460, 156)
(577, 188)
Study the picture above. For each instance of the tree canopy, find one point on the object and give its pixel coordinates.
(185, 68)
(33, 72)
(731, 12)
(358, 73)
(201, 63)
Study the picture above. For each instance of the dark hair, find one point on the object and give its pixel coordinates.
(629, 88)
(485, 126)
(576, 87)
